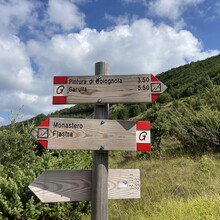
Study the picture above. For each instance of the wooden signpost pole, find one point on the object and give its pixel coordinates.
(100, 160)
(100, 135)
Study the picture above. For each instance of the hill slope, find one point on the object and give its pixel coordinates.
(176, 183)
(192, 78)
(184, 81)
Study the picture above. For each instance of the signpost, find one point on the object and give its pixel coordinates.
(98, 134)
(93, 134)
(143, 88)
(99, 204)
(76, 185)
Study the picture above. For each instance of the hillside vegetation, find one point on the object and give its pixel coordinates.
(180, 178)
(191, 79)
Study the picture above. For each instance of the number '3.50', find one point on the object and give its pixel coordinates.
(143, 79)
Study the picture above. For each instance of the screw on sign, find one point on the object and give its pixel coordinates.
(76, 185)
(143, 88)
(99, 135)
(93, 134)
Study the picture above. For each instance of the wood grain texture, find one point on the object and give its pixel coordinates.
(124, 184)
(99, 208)
(89, 134)
(62, 185)
(111, 89)
(75, 185)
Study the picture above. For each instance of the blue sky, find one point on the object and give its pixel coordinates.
(40, 39)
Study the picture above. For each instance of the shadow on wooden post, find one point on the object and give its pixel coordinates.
(100, 160)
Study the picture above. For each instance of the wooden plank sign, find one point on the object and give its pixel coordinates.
(75, 185)
(93, 134)
(107, 89)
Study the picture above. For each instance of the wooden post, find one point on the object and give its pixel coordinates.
(100, 160)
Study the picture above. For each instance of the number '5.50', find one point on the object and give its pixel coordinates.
(143, 87)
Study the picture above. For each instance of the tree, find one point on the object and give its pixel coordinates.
(20, 165)
(198, 129)
(134, 110)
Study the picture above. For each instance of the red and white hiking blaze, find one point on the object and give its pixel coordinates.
(143, 141)
(144, 88)
(93, 134)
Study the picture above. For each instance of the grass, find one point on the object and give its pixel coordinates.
(197, 208)
(172, 188)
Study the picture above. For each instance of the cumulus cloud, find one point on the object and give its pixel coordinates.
(16, 71)
(14, 14)
(172, 9)
(130, 46)
(65, 14)
(21, 83)
(123, 19)
(140, 47)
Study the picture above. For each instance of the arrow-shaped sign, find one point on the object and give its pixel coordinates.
(93, 134)
(143, 88)
(75, 185)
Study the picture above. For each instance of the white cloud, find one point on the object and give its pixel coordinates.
(15, 68)
(137, 46)
(27, 104)
(135, 1)
(140, 47)
(14, 14)
(216, 10)
(65, 14)
(123, 19)
(172, 9)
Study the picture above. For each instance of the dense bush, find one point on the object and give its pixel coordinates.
(197, 123)
(20, 165)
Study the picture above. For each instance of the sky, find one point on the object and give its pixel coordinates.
(43, 38)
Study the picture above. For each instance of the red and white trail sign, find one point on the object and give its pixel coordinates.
(93, 134)
(107, 89)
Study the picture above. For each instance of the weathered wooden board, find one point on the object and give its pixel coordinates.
(142, 88)
(124, 184)
(94, 134)
(75, 185)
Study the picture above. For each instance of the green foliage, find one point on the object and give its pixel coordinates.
(17, 147)
(175, 188)
(119, 112)
(211, 96)
(196, 126)
(171, 189)
(159, 126)
(20, 165)
(134, 110)
(165, 98)
(77, 111)
(10, 204)
(192, 78)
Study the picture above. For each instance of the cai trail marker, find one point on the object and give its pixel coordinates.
(99, 135)
(109, 89)
(93, 134)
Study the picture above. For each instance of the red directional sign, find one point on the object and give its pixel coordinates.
(94, 134)
(109, 89)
